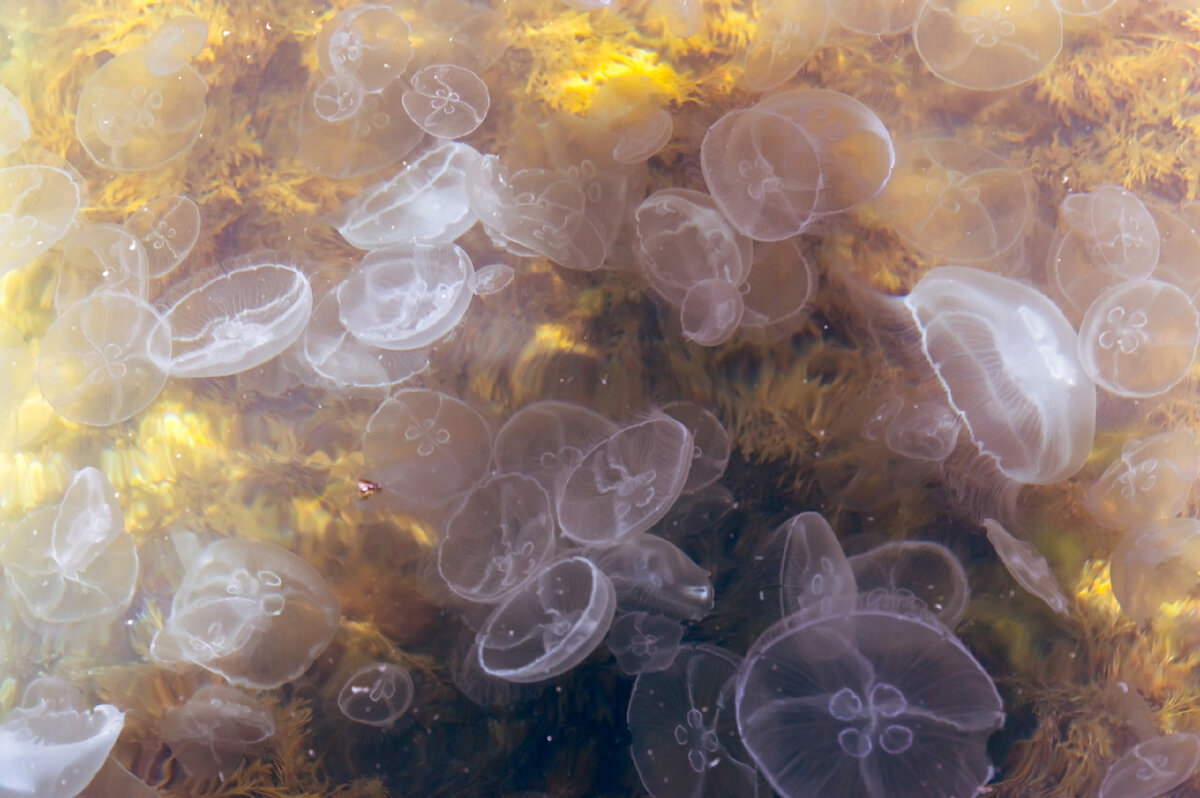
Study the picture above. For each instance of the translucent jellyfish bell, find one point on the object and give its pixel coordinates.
(872, 704)
(654, 575)
(643, 138)
(14, 122)
(238, 320)
(711, 453)
(341, 137)
(1027, 566)
(1155, 564)
(1152, 767)
(376, 694)
(926, 429)
(336, 355)
(169, 48)
(37, 206)
(681, 723)
(447, 100)
(875, 17)
(426, 447)
(545, 439)
(369, 42)
(1007, 358)
(644, 643)
(626, 483)
(425, 201)
(101, 257)
(1150, 481)
(986, 45)
(786, 34)
(499, 536)
(252, 612)
(1139, 338)
(913, 576)
(104, 359)
(812, 570)
(406, 296)
(130, 118)
(54, 752)
(955, 200)
(550, 625)
(167, 228)
(209, 733)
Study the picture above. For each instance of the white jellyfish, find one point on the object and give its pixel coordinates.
(376, 694)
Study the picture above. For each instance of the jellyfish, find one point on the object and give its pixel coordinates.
(101, 257)
(369, 42)
(711, 453)
(376, 694)
(446, 100)
(1150, 481)
(337, 356)
(209, 733)
(1152, 767)
(37, 206)
(167, 228)
(807, 562)
(654, 575)
(643, 642)
(1154, 564)
(786, 34)
(913, 576)
(14, 122)
(1027, 566)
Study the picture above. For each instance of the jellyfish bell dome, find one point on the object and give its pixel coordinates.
(1008, 360)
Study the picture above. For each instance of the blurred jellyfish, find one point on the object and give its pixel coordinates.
(37, 206)
(1152, 767)
(786, 34)
(654, 575)
(1157, 563)
(14, 122)
(871, 704)
(1150, 481)
(1027, 566)
(376, 694)
(913, 576)
(101, 257)
(711, 441)
(681, 721)
(209, 733)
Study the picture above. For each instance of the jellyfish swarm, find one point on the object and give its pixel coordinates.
(252, 612)
(1007, 358)
(867, 704)
(145, 107)
(209, 733)
(376, 694)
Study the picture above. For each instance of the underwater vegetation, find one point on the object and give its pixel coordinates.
(599, 398)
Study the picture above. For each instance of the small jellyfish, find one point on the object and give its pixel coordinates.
(923, 430)
(37, 206)
(642, 139)
(545, 439)
(913, 577)
(955, 200)
(49, 751)
(811, 570)
(101, 257)
(993, 44)
(711, 453)
(346, 362)
(447, 100)
(1152, 767)
(14, 122)
(252, 612)
(167, 228)
(1157, 563)
(104, 359)
(644, 643)
(406, 296)
(338, 97)
(498, 538)
(549, 625)
(1149, 482)
(1027, 566)
(376, 694)
(426, 201)
(681, 723)
(1006, 356)
(1139, 338)
(786, 34)
(626, 483)
(169, 48)
(238, 320)
(654, 575)
(369, 42)
(882, 705)
(209, 733)
(427, 447)
(131, 119)
(491, 279)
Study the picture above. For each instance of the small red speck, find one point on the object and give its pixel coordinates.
(368, 488)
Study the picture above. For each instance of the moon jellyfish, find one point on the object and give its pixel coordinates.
(51, 751)
(1139, 338)
(167, 228)
(1157, 563)
(101, 257)
(338, 97)
(549, 625)
(131, 117)
(346, 362)
(875, 17)
(14, 122)
(37, 206)
(644, 643)
(1179, 248)
(872, 704)
(545, 439)
(777, 292)
(446, 100)
(178, 39)
(425, 201)
(644, 138)
(238, 320)
(406, 296)
(711, 453)
(464, 33)
(76, 561)
(652, 574)
(1149, 482)
(252, 612)
(1006, 356)
(209, 733)
(426, 447)
(992, 44)
(498, 538)
(342, 139)
(913, 576)
(785, 35)
(955, 200)
(626, 483)
(491, 279)
(376, 694)
(1025, 564)
(926, 429)
(104, 359)
(681, 721)
(1152, 767)
(369, 42)
(809, 566)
